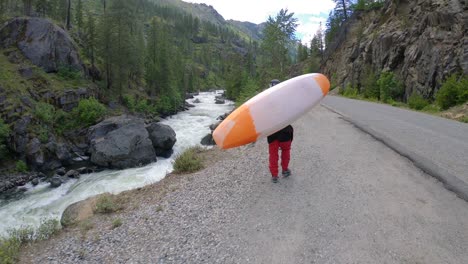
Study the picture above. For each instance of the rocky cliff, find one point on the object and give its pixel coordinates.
(42, 42)
(421, 41)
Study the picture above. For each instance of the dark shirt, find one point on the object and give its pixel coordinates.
(285, 134)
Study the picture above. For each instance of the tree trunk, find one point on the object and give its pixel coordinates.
(69, 15)
(27, 4)
(345, 10)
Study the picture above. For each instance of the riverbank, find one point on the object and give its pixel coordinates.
(155, 203)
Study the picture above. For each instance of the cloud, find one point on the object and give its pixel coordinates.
(308, 26)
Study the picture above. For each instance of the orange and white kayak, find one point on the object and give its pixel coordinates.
(271, 110)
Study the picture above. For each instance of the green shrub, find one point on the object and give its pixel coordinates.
(4, 134)
(430, 108)
(63, 121)
(389, 87)
(417, 102)
(351, 92)
(21, 166)
(68, 73)
(143, 106)
(369, 85)
(129, 102)
(116, 223)
(89, 111)
(45, 112)
(9, 250)
(106, 204)
(189, 161)
(248, 91)
(365, 5)
(453, 91)
(47, 229)
(163, 104)
(10, 246)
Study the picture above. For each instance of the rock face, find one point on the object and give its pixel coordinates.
(45, 44)
(421, 41)
(163, 138)
(121, 142)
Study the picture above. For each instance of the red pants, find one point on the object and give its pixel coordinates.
(273, 148)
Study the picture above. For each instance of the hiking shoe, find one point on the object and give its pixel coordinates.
(286, 173)
(274, 179)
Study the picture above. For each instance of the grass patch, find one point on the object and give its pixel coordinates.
(107, 204)
(85, 226)
(10, 246)
(417, 102)
(189, 161)
(116, 223)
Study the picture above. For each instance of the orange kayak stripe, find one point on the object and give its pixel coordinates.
(323, 82)
(243, 131)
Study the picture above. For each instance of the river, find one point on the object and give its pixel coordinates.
(41, 202)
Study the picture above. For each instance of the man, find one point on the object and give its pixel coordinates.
(280, 140)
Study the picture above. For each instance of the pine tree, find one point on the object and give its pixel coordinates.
(152, 58)
(3, 7)
(69, 15)
(278, 34)
(79, 14)
(43, 7)
(91, 39)
(27, 5)
(343, 8)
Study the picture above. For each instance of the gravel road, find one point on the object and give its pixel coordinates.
(350, 199)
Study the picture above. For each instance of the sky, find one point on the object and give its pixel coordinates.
(309, 13)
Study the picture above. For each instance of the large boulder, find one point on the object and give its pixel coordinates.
(121, 142)
(42, 42)
(163, 138)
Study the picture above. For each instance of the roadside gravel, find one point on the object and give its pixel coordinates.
(350, 200)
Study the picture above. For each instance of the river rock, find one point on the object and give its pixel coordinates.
(220, 101)
(196, 101)
(207, 140)
(61, 171)
(55, 181)
(121, 142)
(163, 138)
(35, 181)
(79, 211)
(42, 42)
(72, 174)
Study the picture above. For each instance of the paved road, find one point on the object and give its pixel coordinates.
(351, 199)
(437, 145)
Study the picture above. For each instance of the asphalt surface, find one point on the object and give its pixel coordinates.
(436, 145)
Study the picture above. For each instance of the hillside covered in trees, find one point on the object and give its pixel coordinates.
(67, 64)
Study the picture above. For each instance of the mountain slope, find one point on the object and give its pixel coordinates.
(422, 42)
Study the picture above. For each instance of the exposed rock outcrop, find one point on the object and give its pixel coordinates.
(421, 41)
(41, 41)
(163, 138)
(121, 142)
